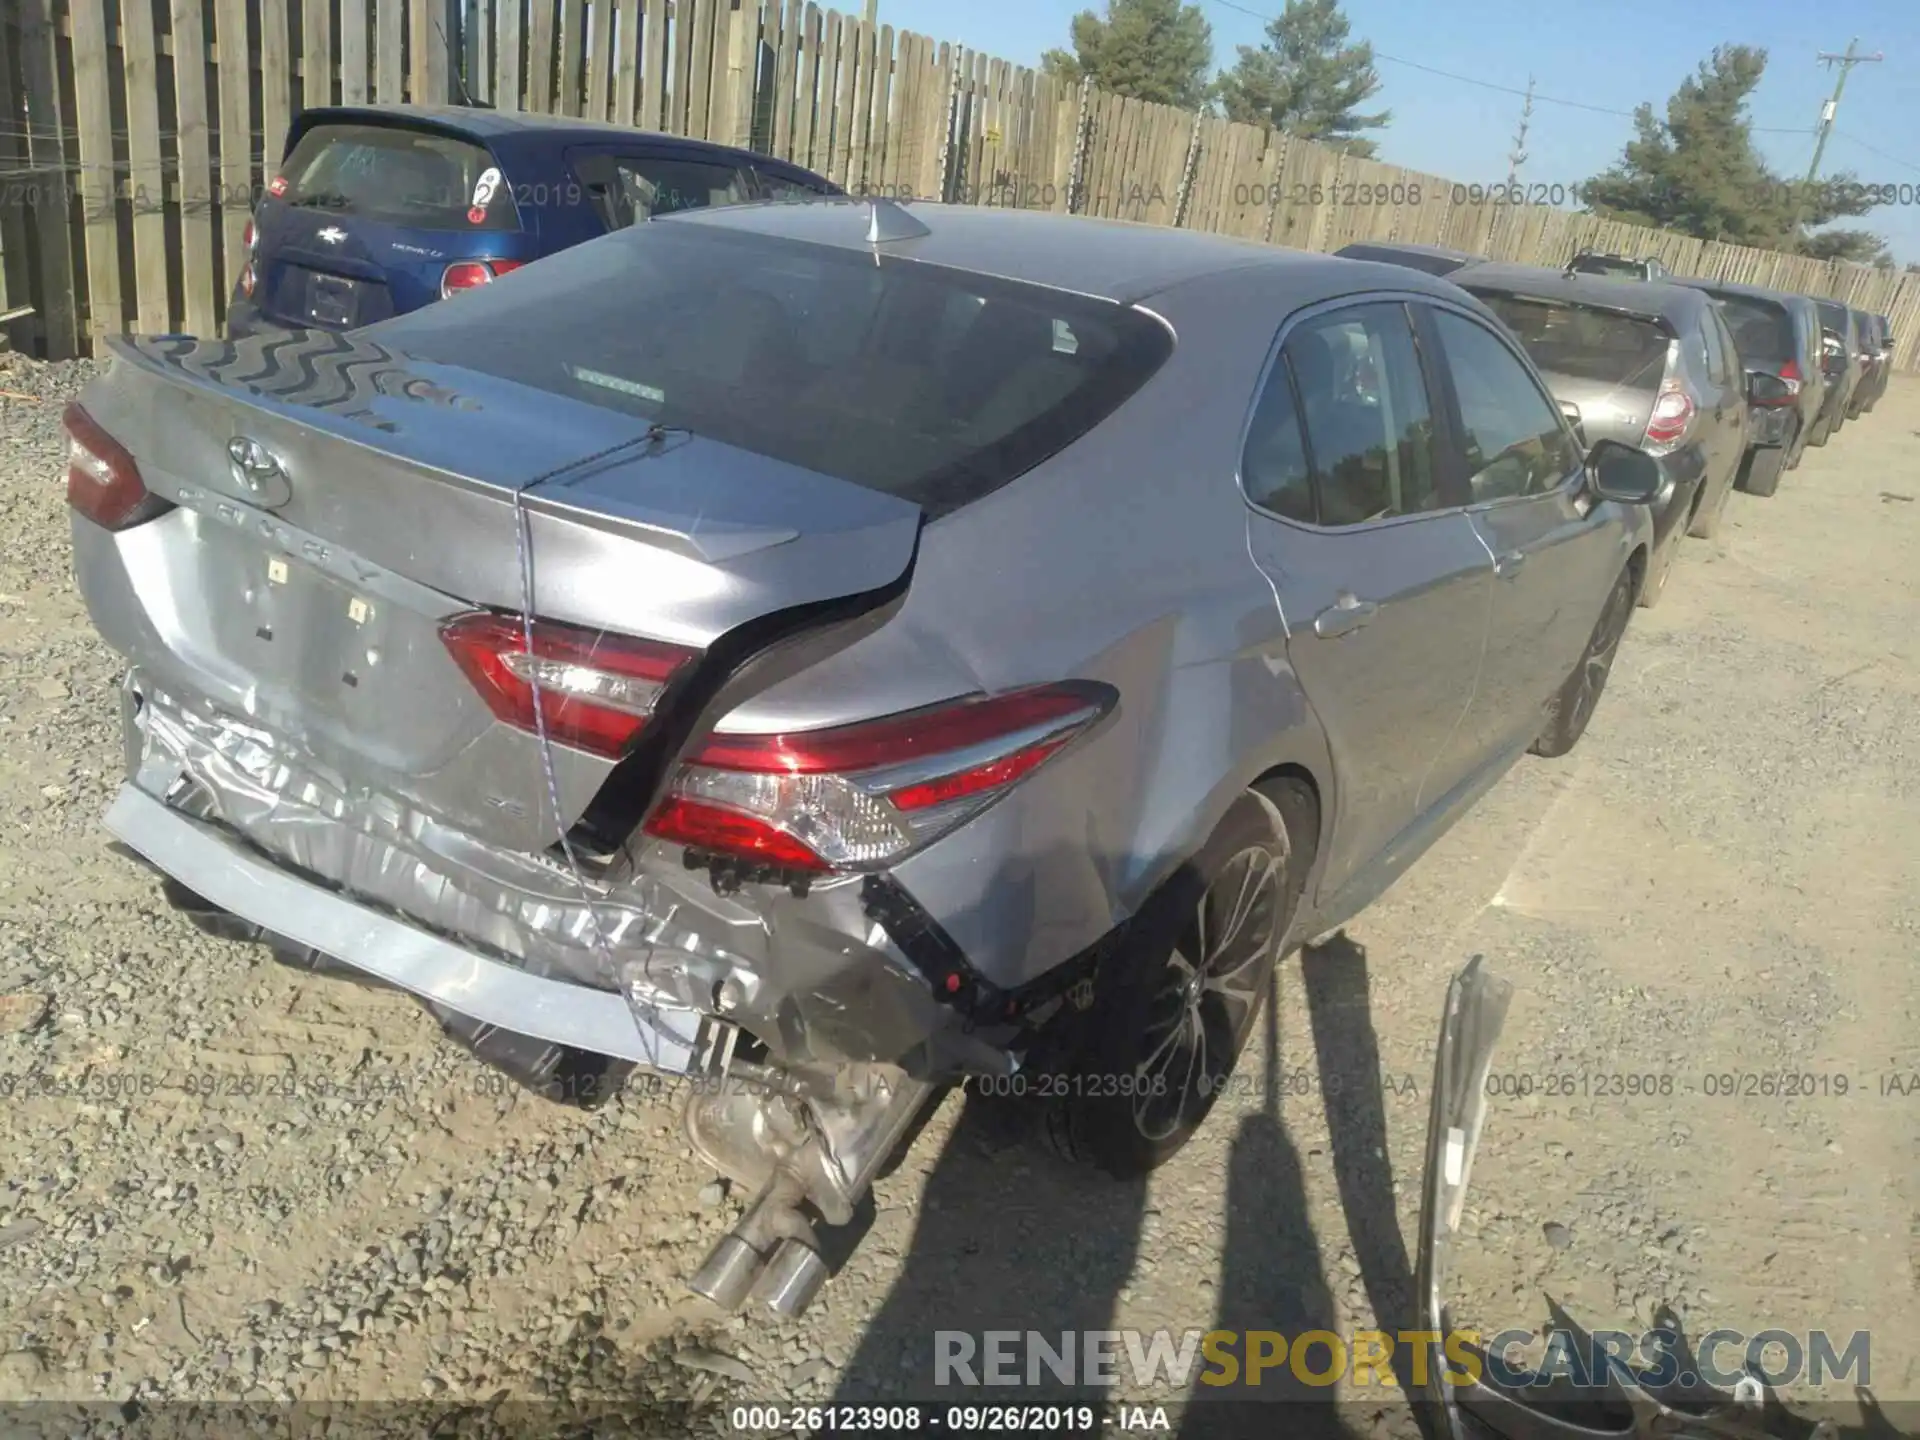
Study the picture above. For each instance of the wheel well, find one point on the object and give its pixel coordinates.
(1310, 842)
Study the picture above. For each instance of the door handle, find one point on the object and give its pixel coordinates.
(1508, 565)
(1343, 617)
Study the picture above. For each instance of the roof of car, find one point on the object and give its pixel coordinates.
(480, 123)
(1734, 287)
(1676, 304)
(1109, 259)
(1409, 248)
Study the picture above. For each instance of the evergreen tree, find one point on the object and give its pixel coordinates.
(1697, 171)
(1155, 50)
(1307, 79)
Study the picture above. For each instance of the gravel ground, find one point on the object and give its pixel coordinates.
(225, 1180)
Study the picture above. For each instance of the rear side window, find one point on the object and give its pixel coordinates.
(1274, 471)
(934, 384)
(1584, 343)
(1762, 331)
(398, 176)
(1363, 406)
(1720, 354)
(627, 189)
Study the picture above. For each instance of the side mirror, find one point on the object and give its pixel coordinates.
(1624, 474)
(1766, 388)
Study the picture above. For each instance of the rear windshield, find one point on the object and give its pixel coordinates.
(1761, 330)
(1601, 265)
(933, 384)
(1833, 315)
(398, 176)
(1585, 343)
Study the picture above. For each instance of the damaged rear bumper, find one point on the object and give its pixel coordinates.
(629, 969)
(229, 873)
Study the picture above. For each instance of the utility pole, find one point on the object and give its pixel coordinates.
(1845, 64)
(1517, 156)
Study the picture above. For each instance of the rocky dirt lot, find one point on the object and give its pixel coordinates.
(221, 1179)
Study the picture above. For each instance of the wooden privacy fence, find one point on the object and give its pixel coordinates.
(135, 137)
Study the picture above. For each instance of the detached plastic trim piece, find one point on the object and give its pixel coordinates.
(234, 878)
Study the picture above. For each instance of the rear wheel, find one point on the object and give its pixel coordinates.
(1763, 470)
(1573, 704)
(1821, 433)
(1146, 1062)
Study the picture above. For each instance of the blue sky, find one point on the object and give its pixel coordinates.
(1613, 54)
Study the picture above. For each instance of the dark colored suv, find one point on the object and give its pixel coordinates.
(379, 209)
(1777, 332)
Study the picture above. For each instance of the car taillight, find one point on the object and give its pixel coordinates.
(1790, 372)
(1672, 413)
(103, 483)
(471, 274)
(859, 796)
(249, 240)
(597, 691)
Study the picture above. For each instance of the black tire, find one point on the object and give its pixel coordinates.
(1154, 1008)
(1821, 433)
(1762, 475)
(1573, 704)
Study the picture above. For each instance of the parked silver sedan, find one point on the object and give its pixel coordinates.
(841, 648)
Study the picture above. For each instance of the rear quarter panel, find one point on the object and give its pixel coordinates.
(1123, 560)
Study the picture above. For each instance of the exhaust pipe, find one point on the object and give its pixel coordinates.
(804, 1151)
(771, 1257)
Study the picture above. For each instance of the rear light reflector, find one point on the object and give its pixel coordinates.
(103, 483)
(1672, 414)
(860, 796)
(471, 274)
(596, 691)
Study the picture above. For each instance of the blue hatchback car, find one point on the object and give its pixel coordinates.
(380, 209)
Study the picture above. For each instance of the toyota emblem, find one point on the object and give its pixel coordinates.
(258, 472)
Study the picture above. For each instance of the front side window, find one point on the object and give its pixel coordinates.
(1516, 440)
(1363, 409)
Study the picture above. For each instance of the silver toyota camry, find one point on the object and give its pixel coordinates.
(826, 650)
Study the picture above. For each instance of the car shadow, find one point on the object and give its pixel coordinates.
(1010, 1238)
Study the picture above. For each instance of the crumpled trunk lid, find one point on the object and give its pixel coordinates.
(338, 502)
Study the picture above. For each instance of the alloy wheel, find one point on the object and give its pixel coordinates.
(1202, 1012)
(1599, 656)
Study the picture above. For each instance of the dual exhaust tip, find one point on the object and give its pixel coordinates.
(771, 1258)
(735, 1274)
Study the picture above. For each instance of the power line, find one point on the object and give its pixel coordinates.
(1508, 89)
(1890, 159)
